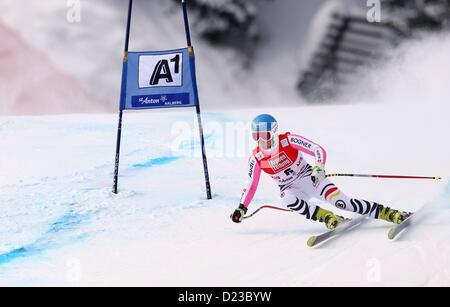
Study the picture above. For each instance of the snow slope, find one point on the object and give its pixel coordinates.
(61, 225)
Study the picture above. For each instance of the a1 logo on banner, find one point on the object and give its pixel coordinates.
(160, 70)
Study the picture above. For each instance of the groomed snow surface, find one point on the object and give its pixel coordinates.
(61, 225)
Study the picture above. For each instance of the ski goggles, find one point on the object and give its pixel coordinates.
(262, 135)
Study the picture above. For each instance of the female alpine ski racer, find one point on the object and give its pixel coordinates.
(281, 156)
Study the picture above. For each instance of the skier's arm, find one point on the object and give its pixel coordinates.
(308, 147)
(254, 173)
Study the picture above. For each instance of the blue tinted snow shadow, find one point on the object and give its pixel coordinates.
(69, 221)
(157, 162)
(443, 199)
(193, 144)
(15, 254)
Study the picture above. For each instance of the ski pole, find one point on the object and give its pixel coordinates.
(266, 207)
(437, 178)
(385, 176)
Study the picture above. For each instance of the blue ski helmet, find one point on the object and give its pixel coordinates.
(265, 128)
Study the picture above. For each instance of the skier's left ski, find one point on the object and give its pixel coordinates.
(343, 227)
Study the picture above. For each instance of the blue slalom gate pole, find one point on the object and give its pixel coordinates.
(197, 107)
(122, 98)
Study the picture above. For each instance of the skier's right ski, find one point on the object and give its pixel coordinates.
(395, 230)
(343, 227)
(417, 217)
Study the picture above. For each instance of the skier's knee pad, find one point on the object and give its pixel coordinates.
(341, 204)
(360, 206)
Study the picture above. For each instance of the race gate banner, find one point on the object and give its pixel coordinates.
(161, 79)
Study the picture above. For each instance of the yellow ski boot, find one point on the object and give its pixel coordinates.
(393, 216)
(330, 219)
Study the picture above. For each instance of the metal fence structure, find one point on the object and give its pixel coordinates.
(351, 42)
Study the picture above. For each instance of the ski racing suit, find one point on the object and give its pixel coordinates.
(287, 166)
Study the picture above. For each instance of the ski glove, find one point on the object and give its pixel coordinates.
(238, 214)
(318, 174)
